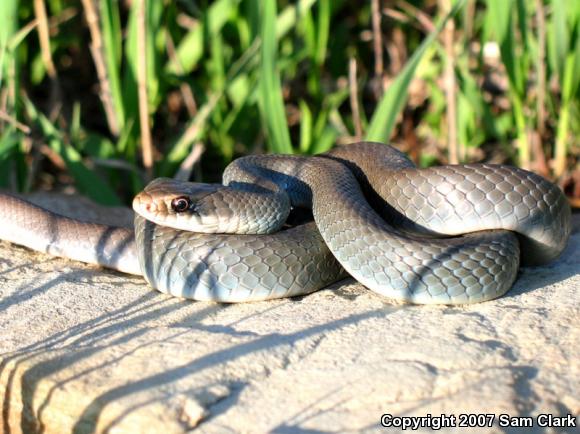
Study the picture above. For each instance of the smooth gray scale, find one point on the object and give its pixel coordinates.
(238, 268)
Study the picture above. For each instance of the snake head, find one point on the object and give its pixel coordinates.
(212, 208)
(181, 205)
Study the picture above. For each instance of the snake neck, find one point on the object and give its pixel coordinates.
(26, 224)
(325, 185)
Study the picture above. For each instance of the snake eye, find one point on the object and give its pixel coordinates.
(180, 204)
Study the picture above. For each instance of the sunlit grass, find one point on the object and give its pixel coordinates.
(242, 76)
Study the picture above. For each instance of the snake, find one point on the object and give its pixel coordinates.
(452, 234)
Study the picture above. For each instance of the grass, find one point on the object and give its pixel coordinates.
(109, 94)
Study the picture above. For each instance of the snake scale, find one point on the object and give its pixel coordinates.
(448, 235)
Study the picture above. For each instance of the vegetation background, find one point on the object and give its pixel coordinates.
(105, 94)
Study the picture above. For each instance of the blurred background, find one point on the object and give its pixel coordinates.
(99, 96)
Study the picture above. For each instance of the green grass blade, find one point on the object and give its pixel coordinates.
(308, 31)
(271, 102)
(75, 122)
(9, 39)
(393, 100)
(217, 66)
(9, 11)
(18, 37)
(562, 131)
(326, 141)
(559, 37)
(9, 142)
(111, 28)
(130, 87)
(193, 132)
(305, 127)
(574, 49)
(500, 14)
(514, 56)
(291, 15)
(188, 53)
(323, 30)
(499, 17)
(155, 40)
(190, 49)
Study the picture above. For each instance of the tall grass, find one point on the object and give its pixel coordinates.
(240, 76)
(9, 82)
(384, 117)
(564, 61)
(512, 24)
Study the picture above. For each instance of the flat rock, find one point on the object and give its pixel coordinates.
(87, 350)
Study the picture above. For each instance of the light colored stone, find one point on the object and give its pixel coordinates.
(89, 350)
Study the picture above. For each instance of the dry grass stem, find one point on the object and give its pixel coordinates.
(9, 99)
(44, 42)
(44, 38)
(190, 135)
(64, 16)
(184, 88)
(186, 167)
(470, 12)
(146, 141)
(8, 87)
(377, 38)
(424, 20)
(541, 66)
(353, 88)
(450, 85)
(396, 15)
(92, 18)
(14, 122)
(53, 156)
(540, 164)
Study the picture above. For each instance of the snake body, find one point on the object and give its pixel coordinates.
(407, 246)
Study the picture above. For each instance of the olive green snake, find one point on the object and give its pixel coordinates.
(448, 234)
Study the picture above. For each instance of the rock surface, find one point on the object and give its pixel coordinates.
(88, 350)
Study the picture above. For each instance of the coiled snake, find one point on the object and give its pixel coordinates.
(449, 235)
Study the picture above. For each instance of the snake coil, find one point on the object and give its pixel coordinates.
(448, 235)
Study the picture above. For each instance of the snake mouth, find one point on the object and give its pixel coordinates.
(191, 221)
(144, 205)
